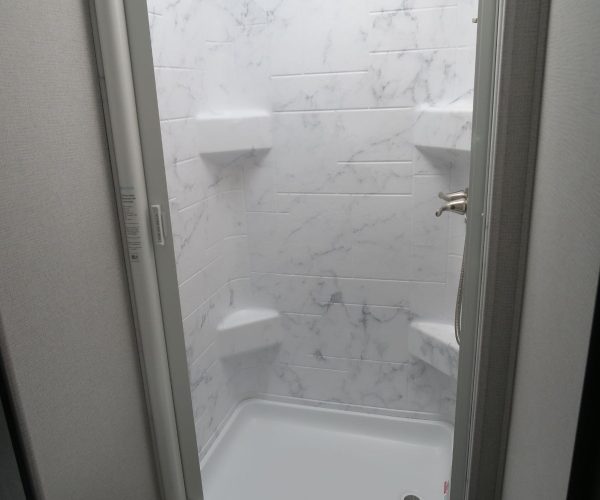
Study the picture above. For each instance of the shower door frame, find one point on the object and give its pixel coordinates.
(170, 407)
(509, 87)
(488, 47)
(126, 78)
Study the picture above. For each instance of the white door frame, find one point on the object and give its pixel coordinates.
(131, 111)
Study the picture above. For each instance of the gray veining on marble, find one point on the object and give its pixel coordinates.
(333, 226)
(434, 343)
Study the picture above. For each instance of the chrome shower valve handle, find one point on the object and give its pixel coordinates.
(456, 206)
(456, 203)
(456, 195)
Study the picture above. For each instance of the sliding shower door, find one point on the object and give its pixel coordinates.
(295, 154)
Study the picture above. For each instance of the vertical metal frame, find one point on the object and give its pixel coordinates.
(140, 48)
(126, 73)
(510, 63)
(476, 245)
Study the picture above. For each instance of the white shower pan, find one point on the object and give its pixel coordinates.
(275, 451)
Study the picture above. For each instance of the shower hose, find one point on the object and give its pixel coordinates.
(459, 297)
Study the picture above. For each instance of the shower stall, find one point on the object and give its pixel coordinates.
(306, 144)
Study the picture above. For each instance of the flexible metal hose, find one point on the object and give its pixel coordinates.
(459, 296)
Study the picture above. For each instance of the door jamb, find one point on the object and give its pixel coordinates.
(514, 117)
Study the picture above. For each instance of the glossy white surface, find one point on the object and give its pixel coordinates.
(445, 128)
(435, 344)
(272, 451)
(233, 132)
(248, 329)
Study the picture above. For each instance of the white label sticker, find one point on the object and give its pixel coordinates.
(132, 224)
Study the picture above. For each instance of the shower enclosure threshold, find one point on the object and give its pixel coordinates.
(271, 451)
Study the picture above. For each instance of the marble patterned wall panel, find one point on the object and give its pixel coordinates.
(200, 325)
(194, 180)
(354, 332)
(380, 229)
(173, 31)
(334, 235)
(315, 36)
(413, 387)
(314, 295)
(465, 71)
(414, 29)
(430, 391)
(315, 152)
(429, 234)
(391, 79)
(411, 78)
(374, 135)
(337, 177)
(193, 250)
(217, 387)
(237, 263)
(207, 202)
(179, 140)
(314, 238)
(334, 225)
(301, 154)
(237, 79)
(265, 252)
(260, 183)
(197, 289)
(383, 5)
(179, 91)
(305, 369)
(327, 91)
(339, 204)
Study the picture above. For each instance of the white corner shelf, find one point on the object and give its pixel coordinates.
(435, 344)
(234, 132)
(444, 132)
(248, 330)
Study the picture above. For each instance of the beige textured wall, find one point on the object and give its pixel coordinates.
(562, 273)
(66, 330)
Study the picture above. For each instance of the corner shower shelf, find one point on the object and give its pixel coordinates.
(445, 132)
(435, 344)
(247, 330)
(234, 132)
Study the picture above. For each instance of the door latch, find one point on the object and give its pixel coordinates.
(157, 224)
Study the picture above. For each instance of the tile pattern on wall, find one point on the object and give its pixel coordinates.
(206, 196)
(334, 225)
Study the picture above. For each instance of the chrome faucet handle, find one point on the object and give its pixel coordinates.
(456, 202)
(455, 206)
(456, 195)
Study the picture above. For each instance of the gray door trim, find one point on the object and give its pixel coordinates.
(477, 240)
(122, 39)
(514, 108)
